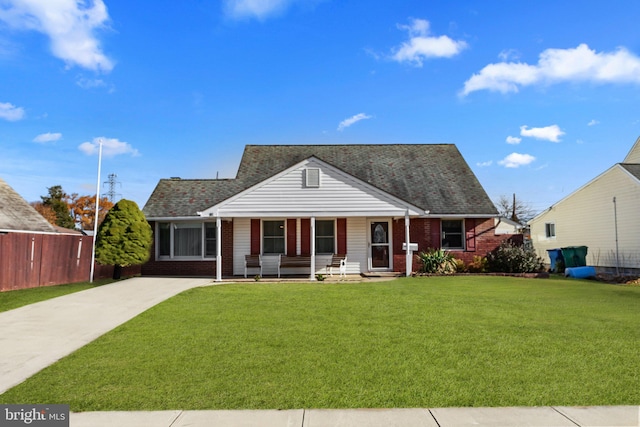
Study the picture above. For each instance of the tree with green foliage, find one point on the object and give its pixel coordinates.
(124, 237)
(56, 201)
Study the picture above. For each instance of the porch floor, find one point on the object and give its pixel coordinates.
(351, 278)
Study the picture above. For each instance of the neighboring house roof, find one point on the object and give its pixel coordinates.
(18, 215)
(632, 168)
(434, 177)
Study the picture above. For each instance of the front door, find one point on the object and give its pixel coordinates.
(380, 246)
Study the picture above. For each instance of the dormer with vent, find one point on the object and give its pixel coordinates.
(311, 178)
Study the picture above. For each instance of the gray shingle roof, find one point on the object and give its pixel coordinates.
(632, 168)
(433, 177)
(16, 214)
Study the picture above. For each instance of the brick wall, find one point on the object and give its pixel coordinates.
(205, 268)
(426, 232)
(419, 232)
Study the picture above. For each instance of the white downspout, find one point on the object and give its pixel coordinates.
(218, 249)
(409, 253)
(615, 221)
(312, 276)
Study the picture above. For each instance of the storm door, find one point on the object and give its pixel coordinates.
(380, 245)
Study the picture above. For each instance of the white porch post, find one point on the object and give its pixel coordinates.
(218, 249)
(409, 253)
(312, 276)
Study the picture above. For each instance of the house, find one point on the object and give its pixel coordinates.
(16, 215)
(35, 253)
(367, 201)
(507, 226)
(602, 215)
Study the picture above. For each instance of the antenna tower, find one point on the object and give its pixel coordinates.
(113, 180)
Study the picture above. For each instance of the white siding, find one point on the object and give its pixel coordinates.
(241, 245)
(357, 248)
(339, 194)
(634, 153)
(586, 218)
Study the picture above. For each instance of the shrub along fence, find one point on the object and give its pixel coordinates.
(29, 260)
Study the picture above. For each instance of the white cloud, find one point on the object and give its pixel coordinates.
(85, 83)
(47, 137)
(485, 164)
(351, 120)
(421, 45)
(509, 54)
(579, 64)
(513, 140)
(549, 133)
(110, 147)
(10, 112)
(259, 9)
(515, 160)
(69, 24)
(593, 123)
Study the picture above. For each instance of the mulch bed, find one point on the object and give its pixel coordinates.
(620, 280)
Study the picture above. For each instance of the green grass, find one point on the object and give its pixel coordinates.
(415, 342)
(14, 299)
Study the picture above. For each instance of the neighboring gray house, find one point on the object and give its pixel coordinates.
(34, 252)
(16, 215)
(366, 201)
(602, 215)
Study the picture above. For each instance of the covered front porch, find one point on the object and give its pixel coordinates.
(368, 243)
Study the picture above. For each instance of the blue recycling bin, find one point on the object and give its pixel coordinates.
(556, 258)
(580, 272)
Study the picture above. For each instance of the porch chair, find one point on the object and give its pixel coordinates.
(252, 261)
(338, 261)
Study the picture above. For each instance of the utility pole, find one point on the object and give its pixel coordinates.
(113, 180)
(514, 217)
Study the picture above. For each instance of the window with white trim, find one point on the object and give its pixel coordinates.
(186, 240)
(452, 232)
(550, 230)
(273, 237)
(325, 236)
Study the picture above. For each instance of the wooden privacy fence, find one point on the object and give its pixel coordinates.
(29, 260)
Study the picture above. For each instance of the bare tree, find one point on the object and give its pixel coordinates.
(514, 209)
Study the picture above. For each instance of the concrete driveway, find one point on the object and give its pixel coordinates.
(35, 336)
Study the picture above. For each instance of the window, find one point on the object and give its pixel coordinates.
(164, 239)
(273, 237)
(186, 240)
(550, 230)
(210, 240)
(452, 234)
(325, 237)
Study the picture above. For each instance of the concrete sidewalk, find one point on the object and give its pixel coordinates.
(37, 335)
(545, 416)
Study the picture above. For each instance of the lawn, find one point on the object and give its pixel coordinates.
(14, 299)
(412, 342)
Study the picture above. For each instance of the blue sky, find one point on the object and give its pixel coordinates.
(539, 97)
